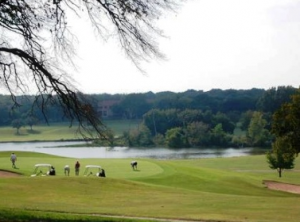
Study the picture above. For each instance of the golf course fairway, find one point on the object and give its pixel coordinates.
(216, 189)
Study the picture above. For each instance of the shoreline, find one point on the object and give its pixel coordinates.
(42, 141)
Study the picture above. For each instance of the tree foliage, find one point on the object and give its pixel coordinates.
(140, 137)
(31, 121)
(257, 133)
(198, 134)
(282, 156)
(273, 98)
(17, 123)
(286, 122)
(36, 43)
(218, 135)
(176, 138)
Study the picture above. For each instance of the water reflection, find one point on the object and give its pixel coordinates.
(121, 152)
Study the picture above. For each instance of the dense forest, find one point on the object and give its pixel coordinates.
(218, 118)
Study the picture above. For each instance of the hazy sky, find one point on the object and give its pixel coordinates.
(226, 44)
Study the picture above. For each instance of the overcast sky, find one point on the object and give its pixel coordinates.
(225, 44)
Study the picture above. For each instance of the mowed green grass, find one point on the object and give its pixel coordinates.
(40, 133)
(61, 131)
(218, 189)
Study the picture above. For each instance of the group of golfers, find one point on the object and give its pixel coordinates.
(67, 169)
(13, 159)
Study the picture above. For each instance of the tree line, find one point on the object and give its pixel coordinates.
(219, 118)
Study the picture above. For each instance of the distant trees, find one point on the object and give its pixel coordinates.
(140, 137)
(199, 128)
(133, 106)
(176, 138)
(218, 136)
(257, 133)
(273, 98)
(31, 121)
(196, 127)
(197, 134)
(227, 125)
(17, 123)
(186, 128)
(159, 121)
(245, 119)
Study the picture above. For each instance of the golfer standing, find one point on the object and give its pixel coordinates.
(77, 167)
(13, 159)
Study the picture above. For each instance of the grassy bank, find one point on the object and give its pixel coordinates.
(219, 189)
(59, 131)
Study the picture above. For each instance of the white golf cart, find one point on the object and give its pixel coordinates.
(41, 169)
(92, 170)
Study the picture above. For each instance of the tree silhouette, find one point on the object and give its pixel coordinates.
(36, 44)
(17, 123)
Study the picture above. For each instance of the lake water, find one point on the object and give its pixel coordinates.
(121, 152)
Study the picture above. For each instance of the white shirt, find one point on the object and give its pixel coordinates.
(13, 157)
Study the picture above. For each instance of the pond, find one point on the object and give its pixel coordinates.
(55, 148)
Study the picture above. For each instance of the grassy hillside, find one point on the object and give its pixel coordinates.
(59, 131)
(219, 189)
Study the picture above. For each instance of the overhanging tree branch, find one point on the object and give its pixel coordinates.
(35, 38)
(71, 102)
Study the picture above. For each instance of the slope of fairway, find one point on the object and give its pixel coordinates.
(223, 189)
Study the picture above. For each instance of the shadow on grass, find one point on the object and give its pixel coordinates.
(21, 134)
(31, 131)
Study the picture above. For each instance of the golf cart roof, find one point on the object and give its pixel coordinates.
(88, 169)
(37, 169)
(92, 166)
(42, 165)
